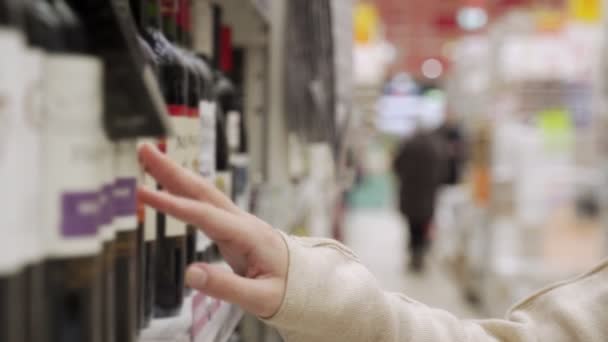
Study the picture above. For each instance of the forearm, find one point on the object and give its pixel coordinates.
(330, 296)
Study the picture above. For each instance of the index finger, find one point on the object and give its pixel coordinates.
(218, 224)
(180, 181)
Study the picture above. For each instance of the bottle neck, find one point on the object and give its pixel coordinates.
(11, 14)
(43, 27)
(71, 28)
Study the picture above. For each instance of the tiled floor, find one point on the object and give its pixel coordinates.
(378, 237)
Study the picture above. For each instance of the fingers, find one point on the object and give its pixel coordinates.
(180, 181)
(218, 224)
(261, 297)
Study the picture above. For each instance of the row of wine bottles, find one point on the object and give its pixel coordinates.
(82, 83)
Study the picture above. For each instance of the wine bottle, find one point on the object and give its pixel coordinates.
(204, 133)
(192, 131)
(239, 158)
(12, 257)
(124, 204)
(134, 106)
(151, 222)
(108, 233)
(202, 44)
(74, 35)
(223, 177)
(147, 222)
(44, 36)
(171, 233)
(72, 148)
(228, 101)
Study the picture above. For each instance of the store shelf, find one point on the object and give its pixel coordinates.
(202, 319)
(175, 329)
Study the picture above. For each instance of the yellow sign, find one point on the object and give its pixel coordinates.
(366, 22)
(586, 10)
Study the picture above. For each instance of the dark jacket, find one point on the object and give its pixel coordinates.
(419, 166)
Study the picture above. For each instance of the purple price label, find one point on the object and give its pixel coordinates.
(124, 197)
(80, 213)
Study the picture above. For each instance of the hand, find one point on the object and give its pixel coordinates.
(257, 254)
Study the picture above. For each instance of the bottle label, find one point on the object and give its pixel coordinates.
(12, 255)
(79, 214)
(206, 158)
(177, 150)
(11, 45)
(150, 221)
(73, 148)
(233, 130)
(28, 141)
(124, 194)
(194, 141)
(108, 230)
(124, 197)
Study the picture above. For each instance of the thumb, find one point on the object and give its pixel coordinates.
(261, 297)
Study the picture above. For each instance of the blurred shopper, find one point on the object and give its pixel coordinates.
(419, 166)
(454, 149)
(314, 289)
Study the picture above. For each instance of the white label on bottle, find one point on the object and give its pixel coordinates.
(195, 144)
(29, 143)
(106, 164)
(202, 32)
(12, 256)
(72, 149)
(233, 130)
(150, 214)
(206, 158)
(177, 150)
(124, 194)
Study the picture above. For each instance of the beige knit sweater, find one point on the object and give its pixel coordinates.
(330, 296)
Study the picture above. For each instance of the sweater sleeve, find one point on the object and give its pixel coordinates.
(330, 296)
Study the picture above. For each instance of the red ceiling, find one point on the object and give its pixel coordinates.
(420, 29)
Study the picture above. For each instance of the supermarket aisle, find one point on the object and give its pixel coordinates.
(378, 237)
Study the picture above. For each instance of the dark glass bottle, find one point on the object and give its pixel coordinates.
(12, 258)
(148, 231)
(192, 127)
(134, 106)
(108, 234)
(124, 204)
(223, 176)
(229, 101)
(146, 14)
(192, 143)
(74, 35)
(171, 233)
(72, 135)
